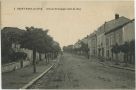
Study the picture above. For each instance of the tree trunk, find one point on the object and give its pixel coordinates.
(133, 58)
(34, 60)
(40, 57)
(130, 58)
(46, 57)
(21, 63)
(112, 56)
(116, 62)
(126, 59)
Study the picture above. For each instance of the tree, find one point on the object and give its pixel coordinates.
(9, 36)
(128, 48)
(68, 48)
(37, 40)
(116, 49)
(85, 49)
(42, 43)
(132, 51)
(32, 39)
(125, 50)
(18, 56)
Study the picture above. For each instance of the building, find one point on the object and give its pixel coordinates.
(114, 32)
(114, 35)
(77, 45)
(129, 37)
(92, 44)
(101, 49)
(85, 40)
(129, 31)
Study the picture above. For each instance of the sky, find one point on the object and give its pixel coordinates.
(65, 26)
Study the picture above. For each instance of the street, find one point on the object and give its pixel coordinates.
(77, 72)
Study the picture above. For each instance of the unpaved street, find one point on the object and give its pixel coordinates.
(77, 72)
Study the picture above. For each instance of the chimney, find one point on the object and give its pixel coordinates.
(116, 16)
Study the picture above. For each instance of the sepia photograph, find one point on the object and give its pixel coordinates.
(67, 44)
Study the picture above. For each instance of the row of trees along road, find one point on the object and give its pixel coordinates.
(128, 48)
(83, 49)
(35, 39)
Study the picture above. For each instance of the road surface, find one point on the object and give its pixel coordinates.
(77, 72)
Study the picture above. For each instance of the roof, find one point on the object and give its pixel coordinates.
(113, 24)
(85, 40)
(120, 26)
(92, 34)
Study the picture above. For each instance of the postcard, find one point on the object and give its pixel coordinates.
(67, 44)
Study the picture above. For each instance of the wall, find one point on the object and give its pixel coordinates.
(129, 32)
(11, 66)
(101, 44)
(92, 44)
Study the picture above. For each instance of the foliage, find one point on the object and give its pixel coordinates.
(132, 46)
(68, 48)
(32, 38)
(9, 35)
(128, 48)
(84, 47)
(115, 49)
(39, 41)
(15, 56)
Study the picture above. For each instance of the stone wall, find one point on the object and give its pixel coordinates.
(13, 66)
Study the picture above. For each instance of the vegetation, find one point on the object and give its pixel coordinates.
(83, 50)
(35, 39)
(9, 36)
(128, 48)
(116, 49)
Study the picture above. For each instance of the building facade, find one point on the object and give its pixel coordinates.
(92, 44)
(115, 36)
(129, 31)
(101, 42)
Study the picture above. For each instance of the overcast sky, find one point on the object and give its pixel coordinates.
(67, 26)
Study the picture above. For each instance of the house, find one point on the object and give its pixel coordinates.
(129, 37)
(77, 44)
(109, 34)
(129, 31)
(114, 35)
(85, 40)
(92, 44)
(101, 49)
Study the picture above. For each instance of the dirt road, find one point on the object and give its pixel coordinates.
(77, 72)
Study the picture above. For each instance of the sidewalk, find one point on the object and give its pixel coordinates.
(17, 79)
(120, 65)
(112, 64)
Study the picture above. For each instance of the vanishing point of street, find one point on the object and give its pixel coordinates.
(77, 72)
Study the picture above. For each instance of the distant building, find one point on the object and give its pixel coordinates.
(101, 49)
(77, 45)
(85, 40)
(92, 44)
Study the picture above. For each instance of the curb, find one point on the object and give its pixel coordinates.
(35, 79)
(118, 67)
(122, 68)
